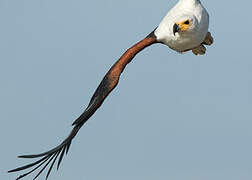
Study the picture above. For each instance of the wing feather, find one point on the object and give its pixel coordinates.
(108, 83)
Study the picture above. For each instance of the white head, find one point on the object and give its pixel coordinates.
(196, 1)
(185, 25)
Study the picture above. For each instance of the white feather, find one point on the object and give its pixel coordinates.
(183, 41)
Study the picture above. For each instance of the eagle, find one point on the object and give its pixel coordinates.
(184, 28)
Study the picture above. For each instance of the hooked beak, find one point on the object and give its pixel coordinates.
(175, 28)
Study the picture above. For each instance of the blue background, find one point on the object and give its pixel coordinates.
(172, 116)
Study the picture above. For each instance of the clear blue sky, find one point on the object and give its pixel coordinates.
(172, 116)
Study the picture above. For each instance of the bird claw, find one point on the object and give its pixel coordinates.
(208, 39)
(200, 50)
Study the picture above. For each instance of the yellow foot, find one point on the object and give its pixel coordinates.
(200, 50)
(208, 39)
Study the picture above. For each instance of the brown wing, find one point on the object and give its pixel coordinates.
(108, 83)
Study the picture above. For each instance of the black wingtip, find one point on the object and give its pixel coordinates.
(24, 156)
(48, 157)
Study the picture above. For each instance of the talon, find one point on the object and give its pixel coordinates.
(208, 39)
(200, 50)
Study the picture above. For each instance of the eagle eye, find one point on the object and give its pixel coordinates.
(187, 22)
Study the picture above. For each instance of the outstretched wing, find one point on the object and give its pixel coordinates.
(108, 83)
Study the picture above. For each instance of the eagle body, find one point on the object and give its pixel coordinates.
(192, 10)
(184, 28)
